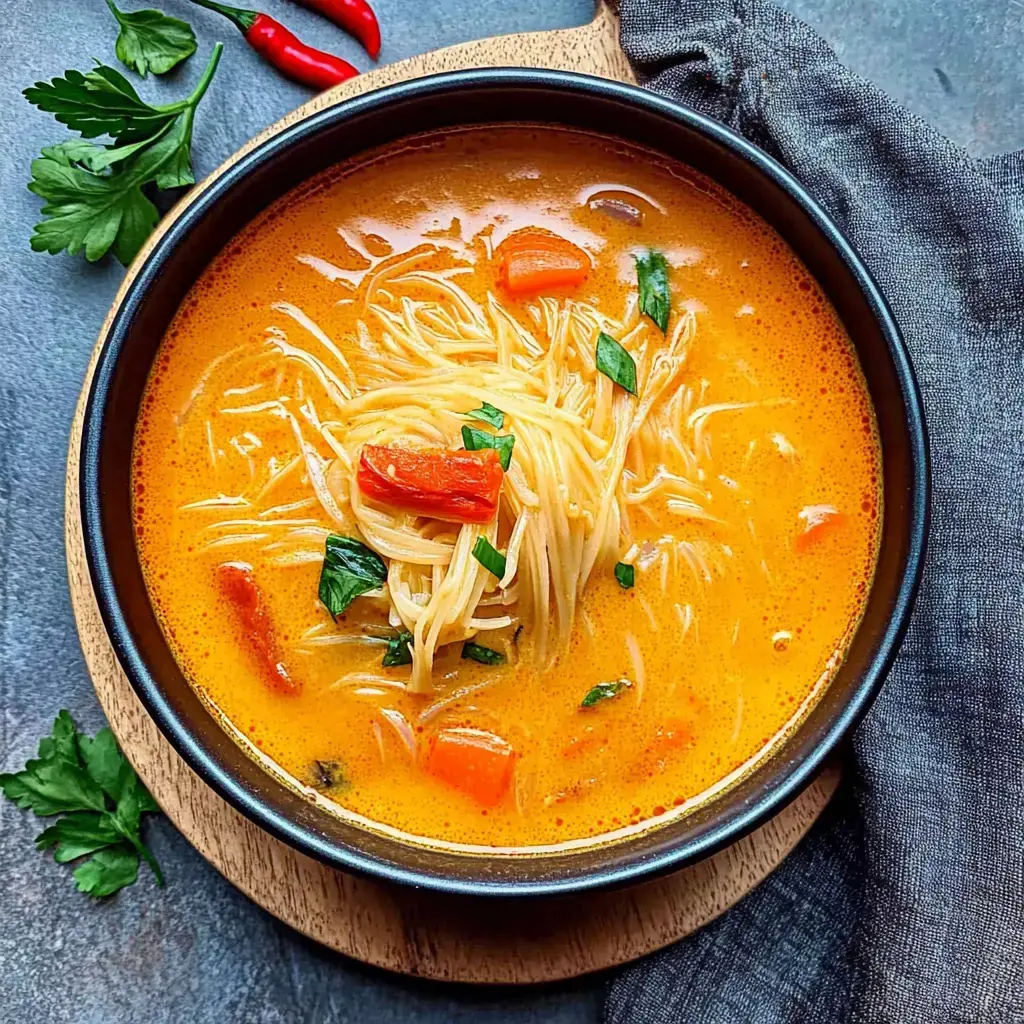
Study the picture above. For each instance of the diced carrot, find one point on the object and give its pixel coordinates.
(456, 486)
(478, 763)
(532, 260)
(238, 586)
(817, 521)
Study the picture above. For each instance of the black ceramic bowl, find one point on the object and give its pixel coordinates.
(483, 97)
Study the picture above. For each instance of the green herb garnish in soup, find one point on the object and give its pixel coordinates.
(489, 414)
(625, 574)
(474, 440)
(604, 691)
(652, 280)
(490, 558)
(350, 568)
(615, 362)
(398, 652)
(485, 655)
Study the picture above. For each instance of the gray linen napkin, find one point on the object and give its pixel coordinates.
(906, 902)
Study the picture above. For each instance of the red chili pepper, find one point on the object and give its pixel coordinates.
(284, 50)
(355, 16)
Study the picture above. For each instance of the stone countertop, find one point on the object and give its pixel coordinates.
(198, 950)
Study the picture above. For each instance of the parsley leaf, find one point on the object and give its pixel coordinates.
(86, 211)
(53, 785)
(101, 102)
(475, 440)
(105, 764)
(489, 414)
(486, 656)
(604, 691)
(615, 362)
(107, 871)
(350, 568)
(61, 743)
(102, 800)
(652, 280)
(77, 834)
(399, 650)
(93, 198)
(152, 41)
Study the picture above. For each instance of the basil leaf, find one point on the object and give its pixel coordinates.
(604, 691)
(652, 280)
(486, 656)
(399, 650)
(625, 574)
(489, 414)
(475, 440)
(616, 363)
(489, 557)
(350, 568)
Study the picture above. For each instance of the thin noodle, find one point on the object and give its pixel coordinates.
(591, 465)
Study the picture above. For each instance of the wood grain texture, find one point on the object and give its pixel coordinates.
(420, 933)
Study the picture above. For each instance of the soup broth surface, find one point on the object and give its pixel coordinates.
(751, 531)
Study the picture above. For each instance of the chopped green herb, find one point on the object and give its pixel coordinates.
(616, 363)
(486, 656)
(151, 40)
(489, 557)
(350, 568)
(625, 574)
(475, 440)
(604, 691)
(489, 414)
(652, 280)
(102, 800)
(399, 650)
(327, 774)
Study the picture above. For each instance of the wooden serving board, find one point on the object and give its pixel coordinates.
(402, 929)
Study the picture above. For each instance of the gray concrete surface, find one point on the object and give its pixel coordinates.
(198, 951)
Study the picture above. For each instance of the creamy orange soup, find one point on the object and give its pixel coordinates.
(379, 305)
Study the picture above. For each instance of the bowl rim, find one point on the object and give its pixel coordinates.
(792, 780)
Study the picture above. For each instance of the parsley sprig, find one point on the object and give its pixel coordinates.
(92, 194)
(101, 799)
